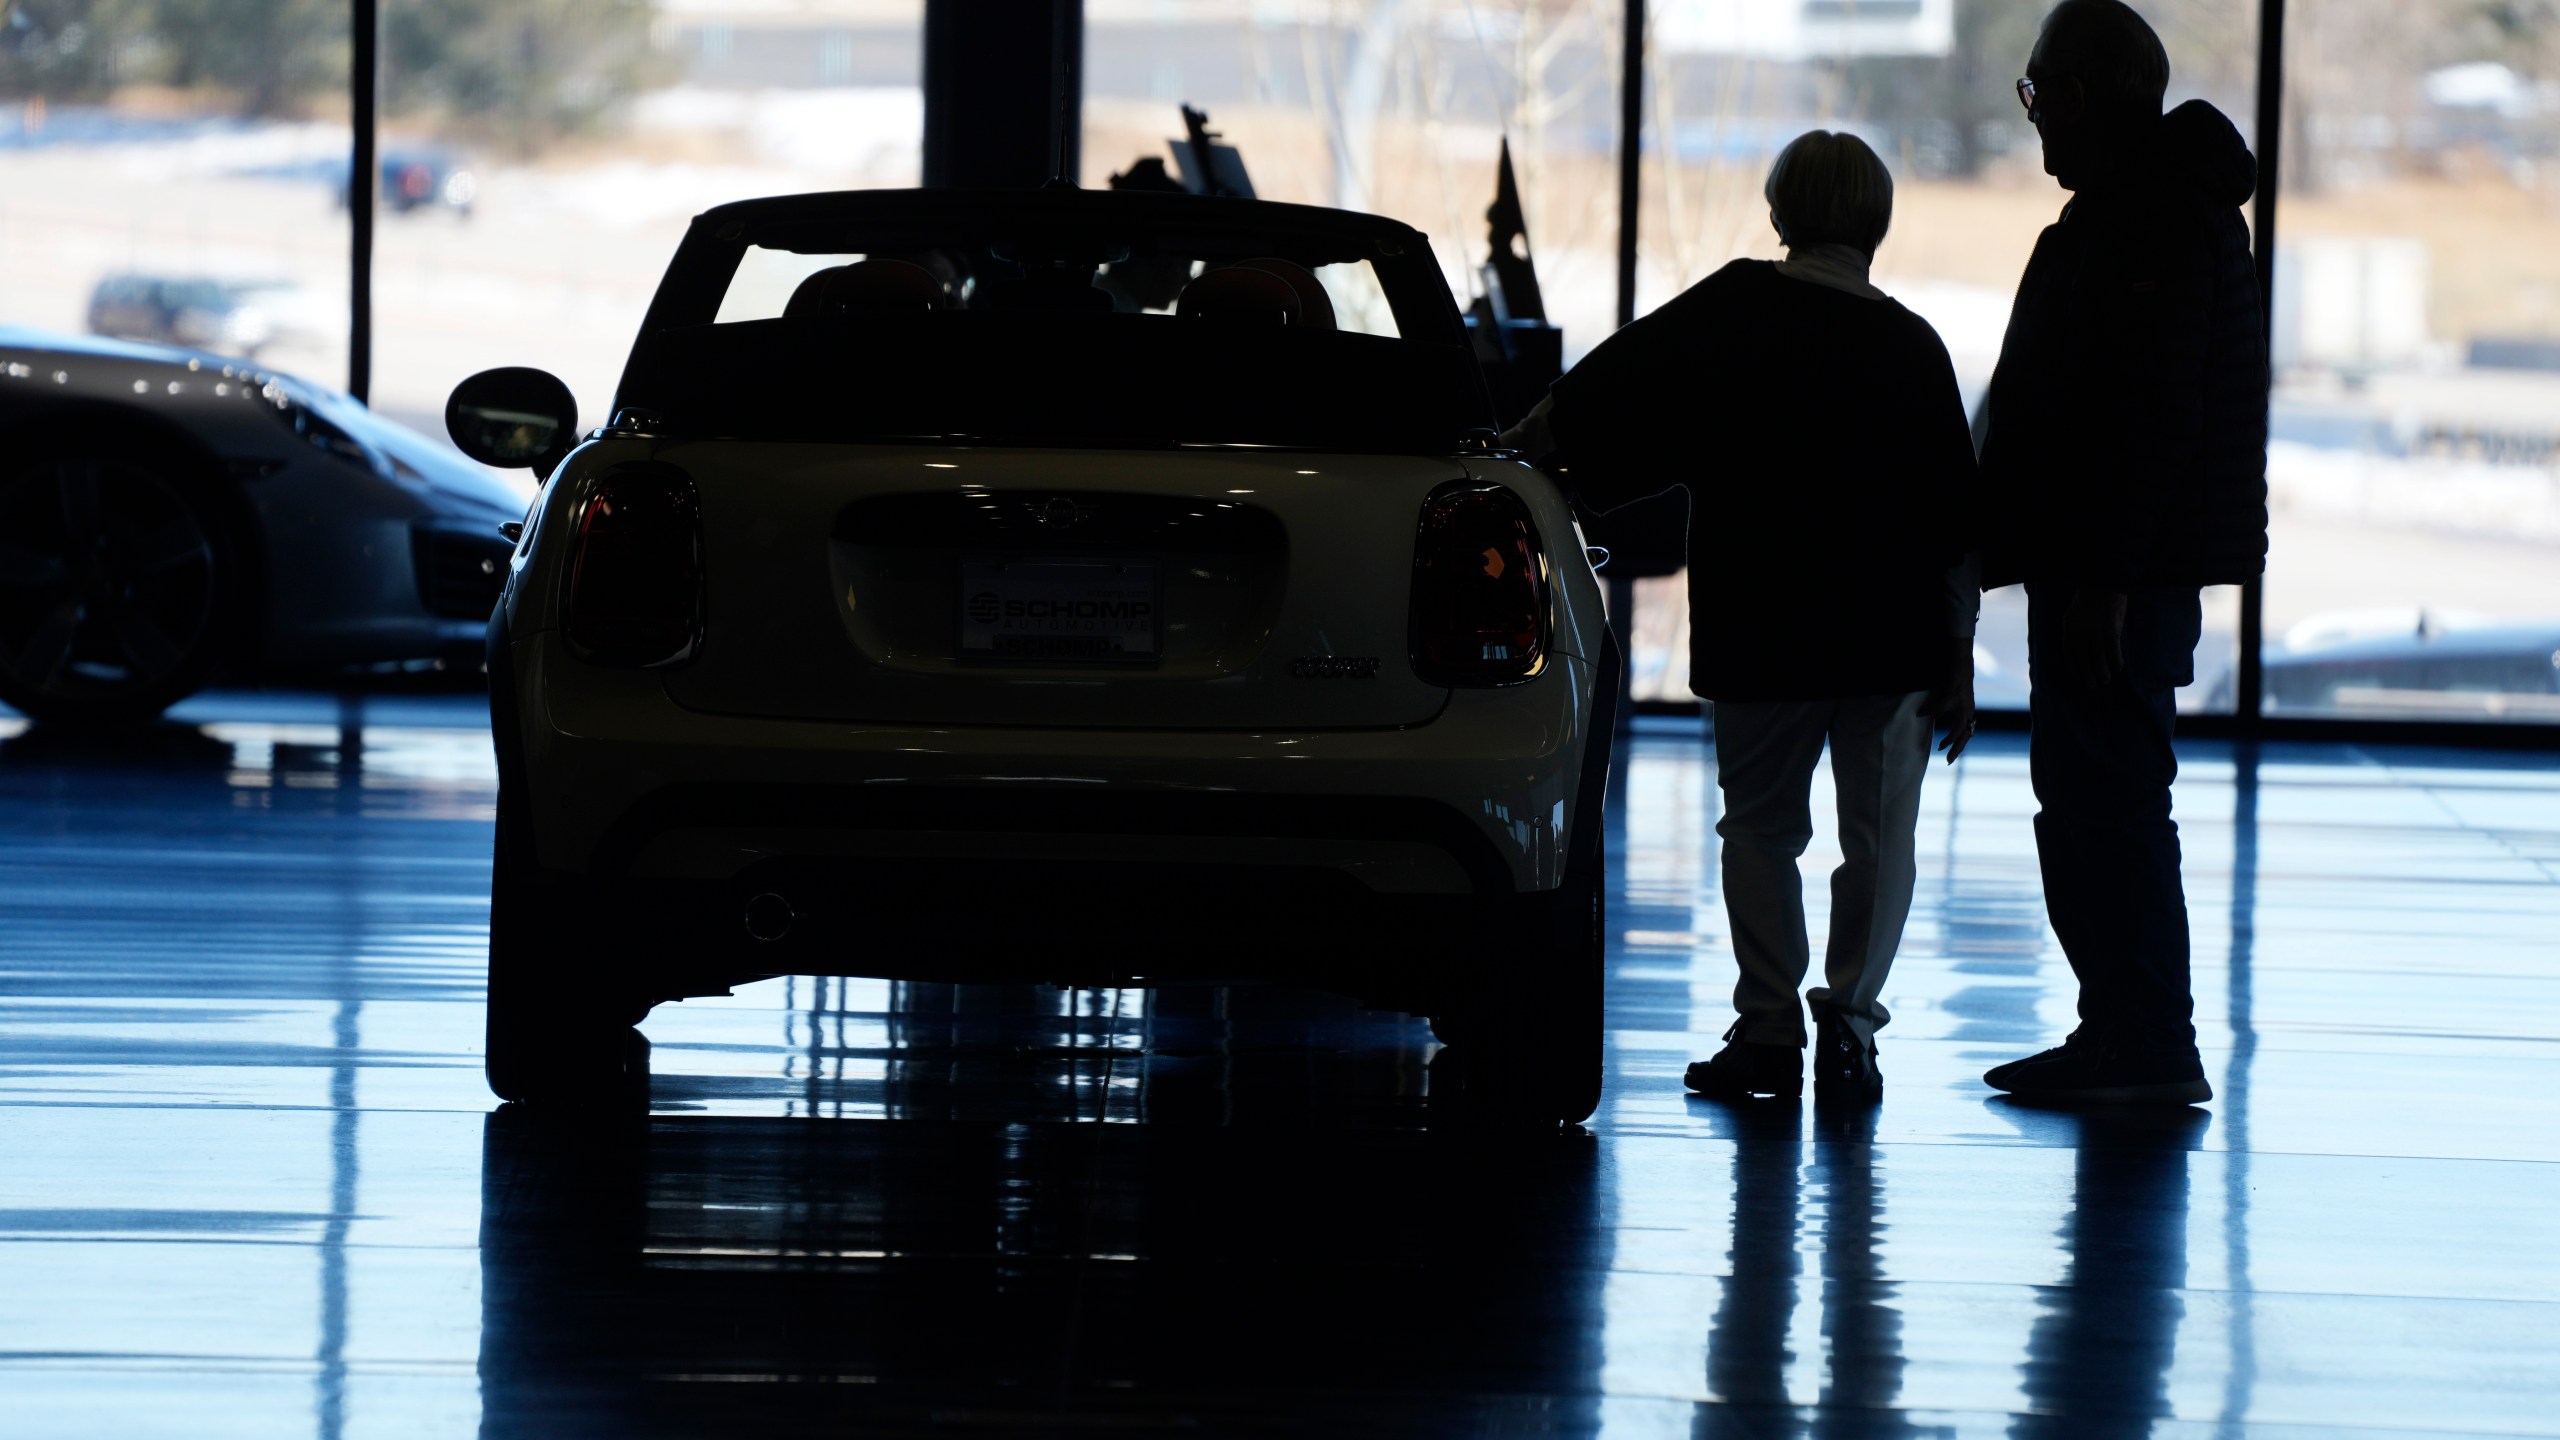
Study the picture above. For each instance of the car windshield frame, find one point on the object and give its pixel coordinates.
(1431, 331)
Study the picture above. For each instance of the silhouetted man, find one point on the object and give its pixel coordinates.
(2123, 468)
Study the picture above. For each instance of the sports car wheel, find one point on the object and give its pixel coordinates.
(554, 1037)
(119, 583)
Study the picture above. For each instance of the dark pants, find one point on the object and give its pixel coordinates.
(2101, 762)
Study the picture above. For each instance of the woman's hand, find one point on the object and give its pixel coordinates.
(1951, 701)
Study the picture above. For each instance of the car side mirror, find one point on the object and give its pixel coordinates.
(513, 418)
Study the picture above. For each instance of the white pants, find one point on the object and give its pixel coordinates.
(1765, 754)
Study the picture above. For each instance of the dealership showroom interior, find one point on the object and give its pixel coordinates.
(1396, 718)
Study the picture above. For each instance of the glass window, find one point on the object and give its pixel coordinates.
(174, 174)
(1394, 109)
(1083, 319)
(2414, 464)
(1928, 85)
(1343, 296)
(541, 161)
(767, 279)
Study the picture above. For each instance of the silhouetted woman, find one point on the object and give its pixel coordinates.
(1817, 427)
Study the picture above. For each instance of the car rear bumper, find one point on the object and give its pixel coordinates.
(1098, 923)
(622, 784)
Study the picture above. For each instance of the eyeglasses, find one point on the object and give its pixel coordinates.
(2027, 97)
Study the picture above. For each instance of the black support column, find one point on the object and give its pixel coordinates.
(364, 184)
(2249, 675)
(1630, 154)
(1622, 587)
(1003, 92)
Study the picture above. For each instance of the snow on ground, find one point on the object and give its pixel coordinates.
(875, 131)
(634, 194)
(2426, 492)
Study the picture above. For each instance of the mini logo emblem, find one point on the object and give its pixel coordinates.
(1335, 667)
(1060, 513)
(985, 608)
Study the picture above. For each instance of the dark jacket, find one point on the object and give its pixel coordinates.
(1829, 471)
(2127, 437)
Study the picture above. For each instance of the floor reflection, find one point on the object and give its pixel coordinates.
(2099, 1355)
(1807, 1215)
(697, 1275)
(255, 1184)
(2241, 1014)
(1747, 1345)
(1991, 930)
(1861, 1323)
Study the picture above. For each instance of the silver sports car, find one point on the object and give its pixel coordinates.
(169, 515)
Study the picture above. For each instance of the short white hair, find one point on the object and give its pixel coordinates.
(1828, 188)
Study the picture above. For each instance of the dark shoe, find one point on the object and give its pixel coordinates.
(2005, 1077)
(2093, 1072)
(1844, 1067)
(1745, 1068)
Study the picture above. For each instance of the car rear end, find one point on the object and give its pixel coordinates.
(782, 693)
(896, 720)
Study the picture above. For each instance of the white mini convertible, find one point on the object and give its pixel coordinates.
(1090, 587)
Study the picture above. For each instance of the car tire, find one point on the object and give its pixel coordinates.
(1524, 1045)
(122, 583)
(557, 1033)
(1541, 1028)
(1527, 1032)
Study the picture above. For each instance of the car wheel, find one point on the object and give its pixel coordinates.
(120, 584)
(555, 1035)
(1568, 1005)
(1530, 1035)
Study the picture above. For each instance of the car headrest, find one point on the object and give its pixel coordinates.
(1315, 305)
(1265, 291)
(866, 288)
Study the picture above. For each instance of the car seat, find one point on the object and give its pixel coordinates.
(865, 289)
(1263, 291)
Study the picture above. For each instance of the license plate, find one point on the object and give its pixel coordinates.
(1053, 609)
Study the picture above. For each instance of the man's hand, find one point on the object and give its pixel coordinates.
(2093, 637)
(1951, 700)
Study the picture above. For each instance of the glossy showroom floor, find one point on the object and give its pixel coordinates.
(250, 1183)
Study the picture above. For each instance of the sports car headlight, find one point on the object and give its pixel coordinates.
(634, 589)
(1479, 612)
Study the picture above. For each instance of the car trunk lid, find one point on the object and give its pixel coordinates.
(1190, 589)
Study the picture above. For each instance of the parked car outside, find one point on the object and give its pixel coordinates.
(413, 180)
(230, 317)
(2430, 668)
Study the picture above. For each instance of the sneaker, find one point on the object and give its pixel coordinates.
(2089, 1072)
(1844, 1067)
(2005, 1077)
(1745, 1068)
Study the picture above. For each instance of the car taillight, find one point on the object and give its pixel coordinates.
(1479, 588)
(634, 594)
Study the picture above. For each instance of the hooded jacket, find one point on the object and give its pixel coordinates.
(2126, 445)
